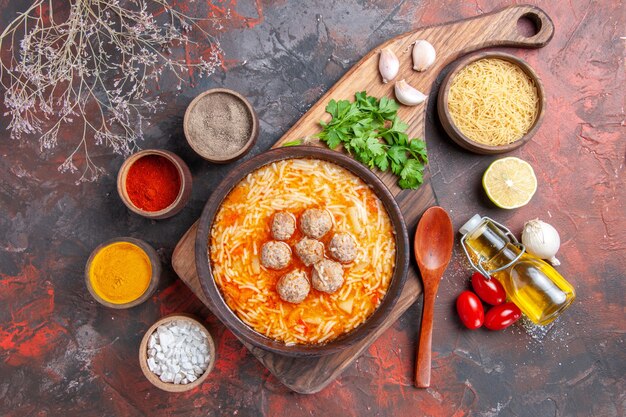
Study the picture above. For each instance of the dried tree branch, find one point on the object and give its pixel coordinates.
(95, 68)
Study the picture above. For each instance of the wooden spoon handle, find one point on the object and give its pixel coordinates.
(422, 362)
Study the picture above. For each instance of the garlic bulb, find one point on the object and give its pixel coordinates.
(408, 95)
(388, 65)
(423, 55)
(541, 240)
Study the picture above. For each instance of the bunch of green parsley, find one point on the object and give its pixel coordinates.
(370, 130)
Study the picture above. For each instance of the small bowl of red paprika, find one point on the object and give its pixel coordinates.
(154, 183)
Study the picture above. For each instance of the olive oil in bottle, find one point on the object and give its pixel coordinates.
(531, 283)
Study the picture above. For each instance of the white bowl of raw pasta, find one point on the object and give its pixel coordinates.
(302, 251)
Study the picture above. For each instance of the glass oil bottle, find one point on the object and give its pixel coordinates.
(531, 283)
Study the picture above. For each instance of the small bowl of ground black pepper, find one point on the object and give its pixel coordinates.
(220, 125)
(154, 183)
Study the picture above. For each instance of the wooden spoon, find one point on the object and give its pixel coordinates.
(434, 239)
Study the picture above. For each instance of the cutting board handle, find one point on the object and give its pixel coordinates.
(505, 23)
(498, 28)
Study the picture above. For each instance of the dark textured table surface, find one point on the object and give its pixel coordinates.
(63, 354)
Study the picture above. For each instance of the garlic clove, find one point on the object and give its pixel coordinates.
(424, 55)
(408, 95)
(541, 240)
(388, 65)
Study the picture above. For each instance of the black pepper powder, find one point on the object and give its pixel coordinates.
(219, 125)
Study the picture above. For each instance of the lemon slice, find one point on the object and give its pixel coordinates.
(510, 182)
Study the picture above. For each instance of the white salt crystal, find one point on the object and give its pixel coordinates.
(166, 338)
(178, 352)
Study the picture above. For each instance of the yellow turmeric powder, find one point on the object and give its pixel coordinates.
(120, 272)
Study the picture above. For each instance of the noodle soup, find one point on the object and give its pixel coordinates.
(242, 226)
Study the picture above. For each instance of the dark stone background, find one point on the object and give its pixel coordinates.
(63, 354)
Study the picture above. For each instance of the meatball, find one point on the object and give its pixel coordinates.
(283, 225)
(327, 276)
(275, 255)
(309, 251)
(293, 287)
(315, 223)
(342, 247)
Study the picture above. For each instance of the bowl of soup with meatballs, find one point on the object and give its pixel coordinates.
(302, 251)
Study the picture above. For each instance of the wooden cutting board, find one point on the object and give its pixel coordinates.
(451, 40)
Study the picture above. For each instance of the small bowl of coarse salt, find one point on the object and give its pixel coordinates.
(177, 353)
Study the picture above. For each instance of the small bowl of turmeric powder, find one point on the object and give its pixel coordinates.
(122, 272)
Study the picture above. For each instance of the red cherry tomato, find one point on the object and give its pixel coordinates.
(489, 290)
(502, 316)
(470, 310)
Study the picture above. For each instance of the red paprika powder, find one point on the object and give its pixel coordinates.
(152, 183)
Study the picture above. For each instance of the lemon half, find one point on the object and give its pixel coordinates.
(510, 182)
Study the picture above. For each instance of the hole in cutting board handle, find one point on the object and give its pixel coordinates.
(529, 25)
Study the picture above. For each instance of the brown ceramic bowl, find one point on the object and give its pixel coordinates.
(193, 142)
(230, 319)
(185, 184)
(152, 377)
(455, 133)
(154, 280)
